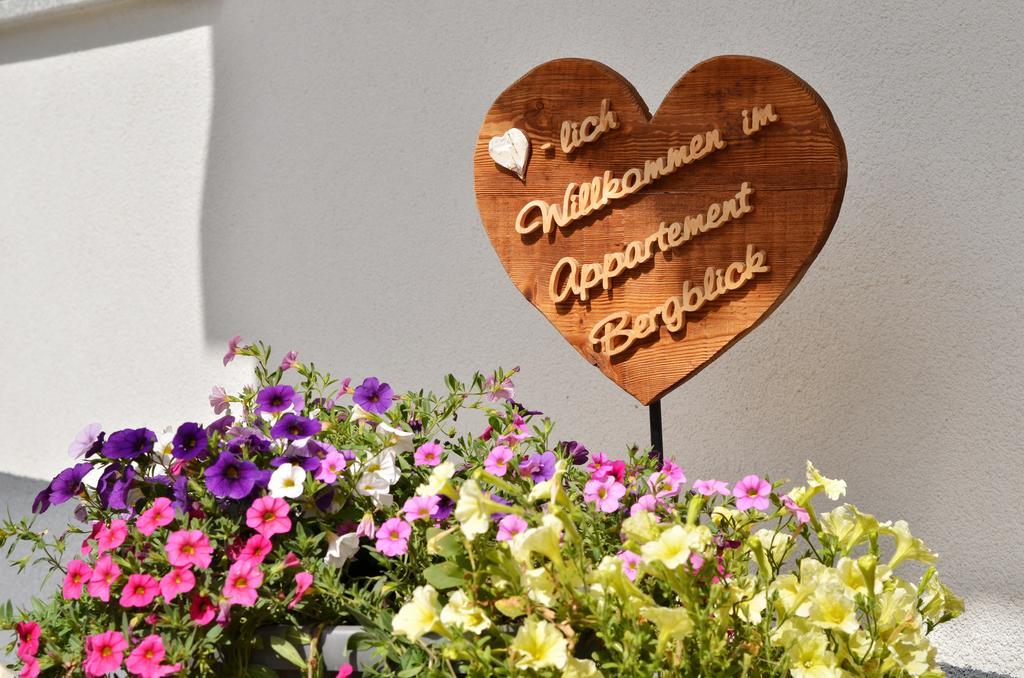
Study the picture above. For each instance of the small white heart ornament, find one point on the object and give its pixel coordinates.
(511, 150)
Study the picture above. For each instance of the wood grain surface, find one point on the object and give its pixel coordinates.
(795, 165)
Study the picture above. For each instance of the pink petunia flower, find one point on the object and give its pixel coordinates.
(497, 461)
(201, 610)
(269, 516)
(289, 360)
(648, 503)
(159, 514)
(78, 575)
(506, 390)
(605, 493)
(30, 668)
(140, 591)
(244, 577)
(710, 487)
(366, 527)
(232, 349)
(486, 434)
(28, 639)
(752, 493)
(630, 563)
(345, 671)
(428, 454)
(331, 467)
(145, 659)
(800, 512)
(104, 653)
(110, 537)
(421, 508)
(219, 400)
(189, 547)
(303, 580)
(178, 580)
(668, 481)
(290, 560)
(393, 537)
(510, 526)
(104, 574)
(255, 549)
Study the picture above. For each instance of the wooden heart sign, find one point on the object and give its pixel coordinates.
(654, 244)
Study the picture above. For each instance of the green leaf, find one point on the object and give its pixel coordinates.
(444, 576)
(286, 651)
(260, 672)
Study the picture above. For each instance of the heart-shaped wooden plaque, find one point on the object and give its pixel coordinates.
(654, 244)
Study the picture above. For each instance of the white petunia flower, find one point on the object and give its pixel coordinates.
(371, 485)
(384, 464)
(402, 439)
(340, 548)
(286, 481)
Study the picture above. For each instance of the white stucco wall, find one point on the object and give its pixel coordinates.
(174, 173)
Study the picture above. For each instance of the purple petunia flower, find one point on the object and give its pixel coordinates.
(189, 442)
(278, 399)
(295, 427)
(252, 440)
(221, 425)
(88, 441)
(63, 487)
(539, 467)
(576, 450)
(373, 396)
(297, 456)
(444, 508)
(129, 443)
(113, 486)
(231, 477)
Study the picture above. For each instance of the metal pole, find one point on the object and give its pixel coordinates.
(657, 445)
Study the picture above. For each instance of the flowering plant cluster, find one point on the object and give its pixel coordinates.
(495, 551)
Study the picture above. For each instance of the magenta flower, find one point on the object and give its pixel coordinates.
(710, 487)
(393, 537)
(178, 580)
(189, 547)
(289, 360)
(219, 400)
(103, 577)
(110, 537)
(201, 610)
(605, 494)
(373, 396)
(269, 516)
(256, 549)
(800, 512)
(510, 526)
(28, 639)
(30, 668)
(752, 493)
(497, 461)
(331, 467)
(244, 577)
(104, 653)
(159, 514)
(144, 660)
(630, 562)
(421, 508)
(366, 528)
(140, 591)
(303, 580)
(77, 576)
(232, 349)
(428, 454)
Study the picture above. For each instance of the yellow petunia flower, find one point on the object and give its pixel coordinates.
(674, 546)
(419, 616)
(461, 613)
(539, 645)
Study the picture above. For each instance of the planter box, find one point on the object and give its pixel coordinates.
(336, 649)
